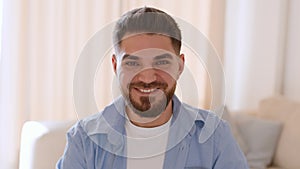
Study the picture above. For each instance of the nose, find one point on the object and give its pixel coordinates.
(147, 75)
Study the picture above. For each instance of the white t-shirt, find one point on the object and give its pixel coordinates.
(146, 146)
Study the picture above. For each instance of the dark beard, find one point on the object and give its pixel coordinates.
(148, 106)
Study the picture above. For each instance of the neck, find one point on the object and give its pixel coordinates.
(149, 122)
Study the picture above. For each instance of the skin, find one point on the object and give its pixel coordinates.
(148, 68)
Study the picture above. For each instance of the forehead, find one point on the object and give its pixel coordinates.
(146, 42)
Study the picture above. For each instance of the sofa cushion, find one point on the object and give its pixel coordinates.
(288, 112)
(261, 137)
(277, 108)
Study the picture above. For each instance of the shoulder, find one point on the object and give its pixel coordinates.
(105, 123)
(87, 126)
(209, 124)
(100, 122)
(84, 126)
(205, 118)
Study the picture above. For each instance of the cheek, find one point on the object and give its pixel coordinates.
(168, 78)
(125, 78)
(171, 73)
(171, 82)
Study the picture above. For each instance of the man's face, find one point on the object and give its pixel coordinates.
(147, 69)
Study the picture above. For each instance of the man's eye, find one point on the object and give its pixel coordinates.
(162, 62)
(132, 63)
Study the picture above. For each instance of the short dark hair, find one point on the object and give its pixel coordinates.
(150, 21)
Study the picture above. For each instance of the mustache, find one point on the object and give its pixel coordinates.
(155, 84)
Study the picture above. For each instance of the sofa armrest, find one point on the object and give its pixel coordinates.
(42, 143)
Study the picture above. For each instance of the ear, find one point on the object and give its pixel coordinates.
(114, 62)
(181, 64)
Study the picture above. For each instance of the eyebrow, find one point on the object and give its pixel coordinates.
(128, 56)
(163, 56)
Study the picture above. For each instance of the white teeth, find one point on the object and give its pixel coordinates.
(147, 90)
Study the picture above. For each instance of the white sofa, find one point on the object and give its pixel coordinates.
(42, 143)
(270, 134)
(286, 155)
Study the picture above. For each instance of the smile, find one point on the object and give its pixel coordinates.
(147, 90)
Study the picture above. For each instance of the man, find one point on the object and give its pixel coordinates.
(148, 127)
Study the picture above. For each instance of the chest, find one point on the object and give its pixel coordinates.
(188, 154)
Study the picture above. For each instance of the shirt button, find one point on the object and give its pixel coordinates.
(182, 148)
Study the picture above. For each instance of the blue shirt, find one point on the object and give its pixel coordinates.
(197, 139)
